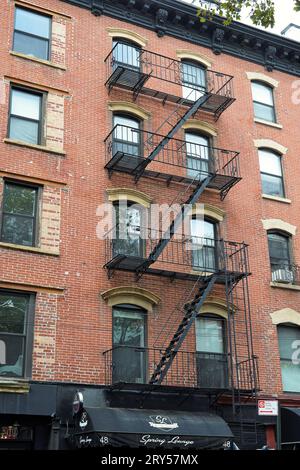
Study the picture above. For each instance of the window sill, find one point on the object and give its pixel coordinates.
(281, 285)
(33, 146)
(36, 59)
(14, 385)
(31, 249)
(276, 198)
(268, 123)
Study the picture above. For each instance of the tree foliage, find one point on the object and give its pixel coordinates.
(261, 12)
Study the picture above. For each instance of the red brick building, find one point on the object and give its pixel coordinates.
(109, 101)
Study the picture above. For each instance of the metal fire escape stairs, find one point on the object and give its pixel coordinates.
(204, 284)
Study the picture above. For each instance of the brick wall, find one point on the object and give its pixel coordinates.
(79, 322)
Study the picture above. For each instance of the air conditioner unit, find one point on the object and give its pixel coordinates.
(284, 275)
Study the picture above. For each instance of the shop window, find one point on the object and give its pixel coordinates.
(289, 346)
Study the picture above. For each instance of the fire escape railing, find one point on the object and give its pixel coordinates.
(127, 148)
(128, 248)
(149, 67)
(193, 369)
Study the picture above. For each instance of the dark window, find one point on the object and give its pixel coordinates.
(271, 173)
(280, 257)
(193, 80)
(289, 346)
(19, 214)
(198, 151)
(211, 357)
(16, 323)
(263, 101)
(204, 246)
(127, 135)
(32, 33)
(129, 230)
(129, 340)
(25, 116)
(126, 54)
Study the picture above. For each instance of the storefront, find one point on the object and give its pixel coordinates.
(98, 427)
(290, 428)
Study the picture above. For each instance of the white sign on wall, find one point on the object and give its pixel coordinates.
(268, 407)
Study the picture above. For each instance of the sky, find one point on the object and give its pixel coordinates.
(284, 14)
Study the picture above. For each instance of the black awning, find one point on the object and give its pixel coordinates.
(290, 425)
(149, 428)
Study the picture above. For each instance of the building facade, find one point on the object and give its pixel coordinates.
(129, 105)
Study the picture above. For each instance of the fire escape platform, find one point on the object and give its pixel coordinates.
(122, 262)
(134, 81)
(126, 163)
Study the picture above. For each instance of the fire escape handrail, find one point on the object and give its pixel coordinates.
(177, 63)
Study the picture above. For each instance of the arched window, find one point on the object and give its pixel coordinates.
(126, 54)
(198, 151)
(204, 244)
(263, 101)
(129, 239)
(129, 342)
(127, 135)
(271, 173)
(211, 357)
(289, 347)
(280, 257)
(193, 80)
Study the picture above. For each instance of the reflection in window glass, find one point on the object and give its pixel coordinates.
(13, 317)
(32, 33)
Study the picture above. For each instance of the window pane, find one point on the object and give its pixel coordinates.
(128, 328)
(262, 93)
(19, 199)
(193, 74)
(31, 46)
(33, 23)
(17, 230)
(279, 248)
(288, 338)
(126, 54)
(266, 113)
(123, 132)
(209, 335)
(269, 162)
(290, 376)
(13, 310)
(25, 104)
(12, 360)
(202, 228)
(197, 145)
(26, 131)
(272, 185)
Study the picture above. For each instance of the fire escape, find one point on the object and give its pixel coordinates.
(165, 158)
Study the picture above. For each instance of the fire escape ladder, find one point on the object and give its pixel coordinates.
(191, 312)
(242, 362)
(170, 232)
(179, 119)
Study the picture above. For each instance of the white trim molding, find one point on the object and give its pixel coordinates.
(286, 315)
(127, 34)
(270, 144)
(131, 295)
(278, 224)
(261, 77)
(195, 124)
(127, 107)
(187, 54)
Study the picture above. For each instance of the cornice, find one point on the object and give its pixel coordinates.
(179, 20)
